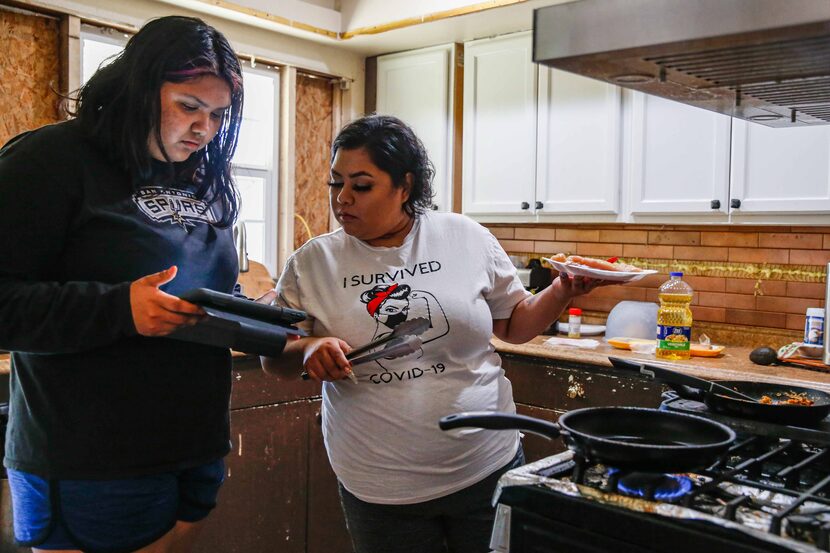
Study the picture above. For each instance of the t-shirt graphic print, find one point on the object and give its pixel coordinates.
(389, 305)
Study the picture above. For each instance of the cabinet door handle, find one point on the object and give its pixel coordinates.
(525, 205)
(735, 203)
(539, 205)
(715, 204)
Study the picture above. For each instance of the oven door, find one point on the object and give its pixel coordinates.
(542, 520)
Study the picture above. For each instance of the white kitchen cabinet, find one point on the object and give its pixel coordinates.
(417, 87)
(499, 153)
(779, 171)
(579, 145)
(678, 160)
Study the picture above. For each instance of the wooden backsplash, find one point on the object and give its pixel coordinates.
(760, 277)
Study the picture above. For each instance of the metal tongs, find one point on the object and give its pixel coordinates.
(402, 341)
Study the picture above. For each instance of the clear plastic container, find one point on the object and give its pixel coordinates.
(674, 319)
(574, 322)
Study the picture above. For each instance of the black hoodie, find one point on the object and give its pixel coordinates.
(90, 398)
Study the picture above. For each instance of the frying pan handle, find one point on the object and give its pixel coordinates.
(687, 392)
(493, 420)
(674, 380)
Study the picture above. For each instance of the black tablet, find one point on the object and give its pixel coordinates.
(243, 307)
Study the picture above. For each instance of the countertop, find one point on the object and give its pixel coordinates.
(734, 364)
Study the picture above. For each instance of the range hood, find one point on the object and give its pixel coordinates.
(766, 61)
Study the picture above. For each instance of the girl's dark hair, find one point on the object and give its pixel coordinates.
(395, 149)
(120, 104)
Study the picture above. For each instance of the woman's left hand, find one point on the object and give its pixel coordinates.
(573, 286)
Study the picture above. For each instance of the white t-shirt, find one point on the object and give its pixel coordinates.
(382, 434)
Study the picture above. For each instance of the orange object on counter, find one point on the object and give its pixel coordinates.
(697, 350)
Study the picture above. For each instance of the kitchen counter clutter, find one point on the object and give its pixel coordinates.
(734, 364)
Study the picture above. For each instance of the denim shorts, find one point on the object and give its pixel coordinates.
(110, 516)
(461, 522)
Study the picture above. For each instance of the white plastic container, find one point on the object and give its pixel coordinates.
(814, 326)
(632, 319)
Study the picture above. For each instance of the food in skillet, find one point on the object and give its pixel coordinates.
(792, 398)
(594, 263)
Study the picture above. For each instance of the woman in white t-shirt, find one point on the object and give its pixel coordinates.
(405, 485)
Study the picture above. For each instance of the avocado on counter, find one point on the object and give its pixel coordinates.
(764, 356)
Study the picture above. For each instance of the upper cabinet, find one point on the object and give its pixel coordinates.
(678, 159)
(779, 171)
(578, 145)
(417, 87)
(539, 144)
(543, 145)
(499, 153)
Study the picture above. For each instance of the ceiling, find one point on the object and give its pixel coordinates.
(372, 27)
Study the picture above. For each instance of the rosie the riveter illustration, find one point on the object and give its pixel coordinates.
(392, 304)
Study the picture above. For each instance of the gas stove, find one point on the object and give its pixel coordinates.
(770, 492)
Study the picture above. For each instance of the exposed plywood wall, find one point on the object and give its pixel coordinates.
(29, 72)
(313, 145)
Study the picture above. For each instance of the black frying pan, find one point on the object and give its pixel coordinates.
(628, 438)
(722, 403)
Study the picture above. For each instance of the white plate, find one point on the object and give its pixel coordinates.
(584, 330)
(574, 269)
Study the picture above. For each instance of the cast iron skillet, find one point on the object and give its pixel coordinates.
(628, 438)
(798, 415)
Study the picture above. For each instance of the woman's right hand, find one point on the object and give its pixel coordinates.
(157, 313)
(325, 359)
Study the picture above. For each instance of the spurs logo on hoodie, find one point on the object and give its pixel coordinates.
(174, 206)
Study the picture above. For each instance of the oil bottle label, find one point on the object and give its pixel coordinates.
(674, 338)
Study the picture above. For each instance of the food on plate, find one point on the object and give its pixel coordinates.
(594, 263)
(792, 398)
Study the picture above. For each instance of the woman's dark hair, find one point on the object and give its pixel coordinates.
(395, 149)
(120, 104)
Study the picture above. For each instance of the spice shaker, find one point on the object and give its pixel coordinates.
(574, 322)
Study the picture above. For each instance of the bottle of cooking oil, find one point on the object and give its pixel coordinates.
(674, 319)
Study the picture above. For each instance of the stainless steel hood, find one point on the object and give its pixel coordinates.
(766, 61)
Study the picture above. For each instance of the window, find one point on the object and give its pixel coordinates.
(254, 165)
(98, 47)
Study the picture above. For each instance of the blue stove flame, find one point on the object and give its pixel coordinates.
(667, 487)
